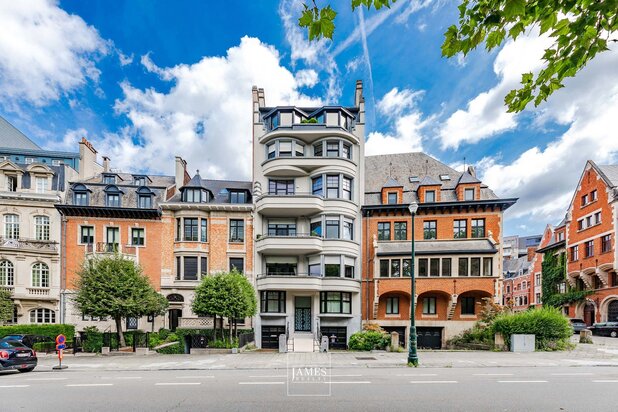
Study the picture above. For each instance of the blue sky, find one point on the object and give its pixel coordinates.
(147, 80)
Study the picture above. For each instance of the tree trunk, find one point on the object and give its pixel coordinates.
(230, 321)
(121, 341)
(214, 327)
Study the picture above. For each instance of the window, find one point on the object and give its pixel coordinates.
(281, 229)
(316, 228)
(584, 200)
(469, 194)
(87, 235)
(606, 243)
(272, 301)
(401, 230)
(463, 267)
(422, 267)
(11, 183)
(139, 180)
(347, 188)
(144, 202)
(190, 267)
(204, 230)
(430, 229)
(285, 149)
(11, 226)
(132, 323)
(478, 227)
(331, 270)
(42, 316)
(475, 267)
(346, 151)
(7, 273)
(593, 195)
(487, 267)
(430, 196)
(80, 198)
(112, 200)
(190, 229)
(317, 149)
(349, 271)
(434, 267)
(332, 186)
(315, 270)
(467, 305)
(281, 187)
(55, 162)
(238, 197)
(429, 305)
(203, 266)
(194, 195)
(41, 228)
(332, 149)
(40, 275)
(460, 230)
(395, 268)
(29, 160)
(109, 179)
(335, 302)
(589, 245)
(384, 231)
(384, 265)
(392, 306)
(348, 230)
(237, 230)
(137, 236)
(392, 198)
(446, 267)
(537, 279)
(332, 229)
(112, 238)
(597, 218)
(299, 149)
(41, 184)
(574, 253)
(538, 298)
(281, 269)
(238, 264)
(317, 186)
(406, 266)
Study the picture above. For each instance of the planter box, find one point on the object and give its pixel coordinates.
(522, 343)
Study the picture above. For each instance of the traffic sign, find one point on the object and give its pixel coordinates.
(61, 339)
(61, 346)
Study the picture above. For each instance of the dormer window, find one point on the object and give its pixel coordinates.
(445, 177)
(41, 184)
(139, 180)
(11, 183)
(469, 194)
(237, 196)
(112, 196)
(80, 195)
(392, 198)
(109, 179)
(414, 179)
(144, 198)
(195, 196)
(430, 196)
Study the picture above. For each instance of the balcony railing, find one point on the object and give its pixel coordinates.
(103, 247)
(29, 244)
(289, 234)
(7, 288)
(38, 291)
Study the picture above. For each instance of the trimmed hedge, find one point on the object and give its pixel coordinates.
(367, 340)
(551, 328)
(176, 349)
(43, 330)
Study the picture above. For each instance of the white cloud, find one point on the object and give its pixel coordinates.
(306, 77)
(205, 117)
(124, 59)
(486, 115)
(406, 122)
(46, 53)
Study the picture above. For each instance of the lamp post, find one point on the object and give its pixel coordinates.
(412, 355)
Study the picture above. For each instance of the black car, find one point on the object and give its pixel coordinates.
(28, 340)
(15, 356)
(605, 329)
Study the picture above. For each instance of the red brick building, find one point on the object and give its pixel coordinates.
(457, 232)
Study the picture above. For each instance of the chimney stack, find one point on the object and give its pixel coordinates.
(472, 171)
(105, 164)
(88, 165)
(181, 171)
(358, 93)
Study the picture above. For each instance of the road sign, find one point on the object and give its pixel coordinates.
(61, 339)
(61, 346)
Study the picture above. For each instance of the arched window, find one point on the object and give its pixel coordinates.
(42, 315)
(175, 297)
(40, 275)
(11, 226)
(7, 273)
(80, 195)
(41, 227)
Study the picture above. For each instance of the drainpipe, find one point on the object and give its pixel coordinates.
(63, 255)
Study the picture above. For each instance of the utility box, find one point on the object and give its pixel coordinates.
(283, 344)
(522, 343)
(324, 344)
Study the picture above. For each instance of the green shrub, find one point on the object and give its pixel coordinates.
(93, 339)
(368, 340)
(551, 328)
(176, 349)
(164, 333)
(43, 330)
(224, 344)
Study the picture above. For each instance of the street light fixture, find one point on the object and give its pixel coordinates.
(412, 355)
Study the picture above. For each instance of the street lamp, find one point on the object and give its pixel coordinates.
(412, 355)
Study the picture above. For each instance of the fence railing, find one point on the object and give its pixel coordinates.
(104, 247)
(245, 338)
(140, 340)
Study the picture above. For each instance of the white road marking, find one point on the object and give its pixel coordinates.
(261, 383)
(177, 383)
(75, 385)
(572, 374)
(348, 382)
(195, 377)
(492, 374)
(433, 381)
(47, 379)
(606, 381)
(14, 386)
(419, 374)
(522, 381)
(129, 377)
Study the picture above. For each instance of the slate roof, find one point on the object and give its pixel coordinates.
(12, 138)
(428, 247)
(392, 183)
(57, 178)
(611, 173)
(219, 188)
(512, 267)
(401, 167)
(467, 178)
(429, 181)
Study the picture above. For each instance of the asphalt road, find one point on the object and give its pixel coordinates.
(357, 389)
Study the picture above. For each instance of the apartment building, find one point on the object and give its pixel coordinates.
(32, 180)
(519, 246)
(210, 231)
(308, 164)
(458, 241)
(516, 283)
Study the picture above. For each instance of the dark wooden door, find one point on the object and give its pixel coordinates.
(175, 315)
(589, 317)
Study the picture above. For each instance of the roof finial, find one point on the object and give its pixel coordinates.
(198, 171)
(390, 169)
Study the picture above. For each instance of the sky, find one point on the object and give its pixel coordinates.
(148, 80)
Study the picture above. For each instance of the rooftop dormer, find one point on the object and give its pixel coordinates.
(429, 190)
(195, 191)
(141, 180)
(392, 192)
(468, 187)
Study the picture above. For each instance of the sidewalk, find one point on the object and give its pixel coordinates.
(602, 353)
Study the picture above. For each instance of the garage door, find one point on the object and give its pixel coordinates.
(400, 330)
(337, 336)
(270, 336)
(429, 338)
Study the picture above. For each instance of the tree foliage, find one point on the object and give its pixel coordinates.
(115, 286)
(579, 30)
(6, 306)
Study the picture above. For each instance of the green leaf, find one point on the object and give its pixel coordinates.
(514, 8)
(306, 18)
(494, 39)
(516, 30)
(548, 22)
(561, 28)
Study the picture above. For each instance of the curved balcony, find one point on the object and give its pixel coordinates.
(309, 132)
(307, 283)
(341, 206)
(341, 246)
(301, 166)
(299, 244)
(294, 205)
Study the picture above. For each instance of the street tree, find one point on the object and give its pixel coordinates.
(579, 31)
(6, 306)
(227, 294)
(115, 286)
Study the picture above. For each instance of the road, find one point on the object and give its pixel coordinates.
(354, 389)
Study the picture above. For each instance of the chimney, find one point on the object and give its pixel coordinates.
(105, 164)
(88, 165)
(261, 98)
(472, 171)
(181, 171)
(531, 252)
(358, 93)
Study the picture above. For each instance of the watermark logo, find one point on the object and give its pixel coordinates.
(308, 375)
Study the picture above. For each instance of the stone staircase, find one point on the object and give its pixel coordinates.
(452, 306)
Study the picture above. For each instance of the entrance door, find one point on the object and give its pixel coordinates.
(302, 314)
(175, 315)
(589, 317)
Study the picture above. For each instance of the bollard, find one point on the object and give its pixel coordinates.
(394, 341)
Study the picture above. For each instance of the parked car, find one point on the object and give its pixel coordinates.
(28, 340)
(16, 356)
(605, 329)
(578, 325)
